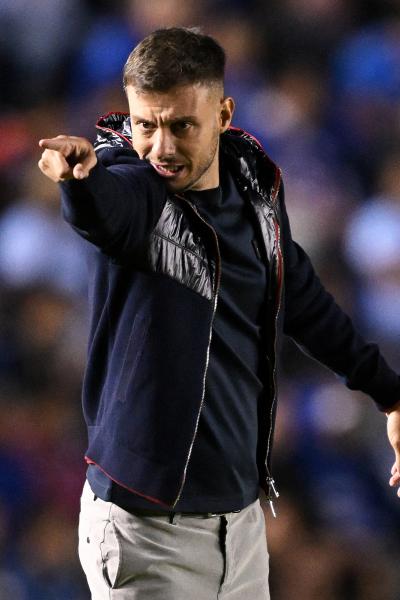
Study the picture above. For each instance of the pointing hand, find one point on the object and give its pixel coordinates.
(67, 157)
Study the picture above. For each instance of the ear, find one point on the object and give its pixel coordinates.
(226, 114)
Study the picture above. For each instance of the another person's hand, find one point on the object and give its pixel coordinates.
(67, 157)
(393, 430)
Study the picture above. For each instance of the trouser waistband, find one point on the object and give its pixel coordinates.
(172, 515)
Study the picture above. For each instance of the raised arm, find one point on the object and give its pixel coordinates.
(115, 206)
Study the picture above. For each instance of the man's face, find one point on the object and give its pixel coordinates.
(178, 132)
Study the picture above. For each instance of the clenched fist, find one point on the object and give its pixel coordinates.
(67, 157)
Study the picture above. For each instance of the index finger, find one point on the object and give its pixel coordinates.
(54, 144)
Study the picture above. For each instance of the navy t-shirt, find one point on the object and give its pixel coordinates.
(222, 473)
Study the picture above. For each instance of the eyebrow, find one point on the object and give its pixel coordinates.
(172, 121)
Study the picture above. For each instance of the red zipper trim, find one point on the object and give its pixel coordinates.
(150, 498)
(113, 112)
(277, 169)
(278, 175)
(249, 134)
(280, 263)
(112, 130)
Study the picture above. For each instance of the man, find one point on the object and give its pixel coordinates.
(193, 252)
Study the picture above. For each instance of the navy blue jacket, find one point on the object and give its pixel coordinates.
(153, 292)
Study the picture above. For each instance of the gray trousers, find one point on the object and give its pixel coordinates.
(140, 557)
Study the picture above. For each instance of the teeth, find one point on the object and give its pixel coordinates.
(169, 169)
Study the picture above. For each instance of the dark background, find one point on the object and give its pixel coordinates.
(318, 82)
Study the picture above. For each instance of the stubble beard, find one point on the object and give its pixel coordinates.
(203, 166)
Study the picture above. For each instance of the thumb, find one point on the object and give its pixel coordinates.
(396, 465)
(80, 172)
(86, 163)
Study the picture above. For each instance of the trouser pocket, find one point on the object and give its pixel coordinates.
(99, 544)
(111, 555)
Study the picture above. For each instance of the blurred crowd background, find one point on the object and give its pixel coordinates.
(318, 82)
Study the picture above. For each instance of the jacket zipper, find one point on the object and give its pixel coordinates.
(271, 489)
(216, 291)
(272, 492)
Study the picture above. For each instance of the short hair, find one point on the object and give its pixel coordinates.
(174, 56)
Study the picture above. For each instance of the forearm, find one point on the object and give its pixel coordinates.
(113, 207)
(96, 206)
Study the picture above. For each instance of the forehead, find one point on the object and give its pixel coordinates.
(182, 100)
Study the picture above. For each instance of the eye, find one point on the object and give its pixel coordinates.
(181, 126)
(144, 125)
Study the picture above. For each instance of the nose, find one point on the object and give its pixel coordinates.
(163, 143)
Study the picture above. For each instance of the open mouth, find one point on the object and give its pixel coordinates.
(167, 170)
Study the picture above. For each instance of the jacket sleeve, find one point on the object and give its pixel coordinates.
(117, 206)
(323, 330)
